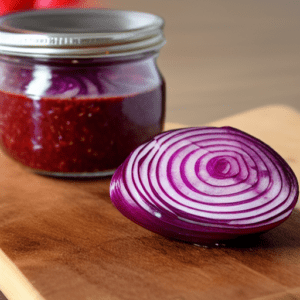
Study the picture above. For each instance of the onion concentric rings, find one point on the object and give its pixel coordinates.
(205, 185)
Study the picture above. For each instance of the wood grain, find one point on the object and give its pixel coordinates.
(69, 241)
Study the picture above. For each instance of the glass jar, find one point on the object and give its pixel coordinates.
(79, 89)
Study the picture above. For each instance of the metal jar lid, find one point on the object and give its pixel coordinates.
(79, 33)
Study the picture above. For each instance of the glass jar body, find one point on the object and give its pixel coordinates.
(79, 117)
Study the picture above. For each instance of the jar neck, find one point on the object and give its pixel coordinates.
(79, 61)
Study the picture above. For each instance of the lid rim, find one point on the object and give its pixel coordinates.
(88, 53)
(54, 44)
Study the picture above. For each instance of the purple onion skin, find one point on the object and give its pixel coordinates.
(205, 185)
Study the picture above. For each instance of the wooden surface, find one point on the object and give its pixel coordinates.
(69, 241)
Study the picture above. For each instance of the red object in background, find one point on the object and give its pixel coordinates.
(40, 4)
(7, 6)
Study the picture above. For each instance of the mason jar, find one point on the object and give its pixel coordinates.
(79, 88)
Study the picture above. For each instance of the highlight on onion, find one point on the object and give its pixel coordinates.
(205, 185)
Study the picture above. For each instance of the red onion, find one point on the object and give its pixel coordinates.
(205, 185)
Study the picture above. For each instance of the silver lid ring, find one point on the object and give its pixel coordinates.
(75, 33)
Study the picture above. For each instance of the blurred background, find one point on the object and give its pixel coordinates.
(221, 57)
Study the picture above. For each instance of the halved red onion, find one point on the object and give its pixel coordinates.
(205, 185)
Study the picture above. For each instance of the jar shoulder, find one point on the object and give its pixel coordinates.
(80, 79)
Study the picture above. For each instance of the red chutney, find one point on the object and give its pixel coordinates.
(83, 135)
(78, 93)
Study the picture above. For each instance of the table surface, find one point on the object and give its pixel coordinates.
(63, 239)
(225, 63)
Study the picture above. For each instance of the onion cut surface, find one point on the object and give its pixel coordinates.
(205, 185)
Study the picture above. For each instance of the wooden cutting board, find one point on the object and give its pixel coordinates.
(63, 239)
